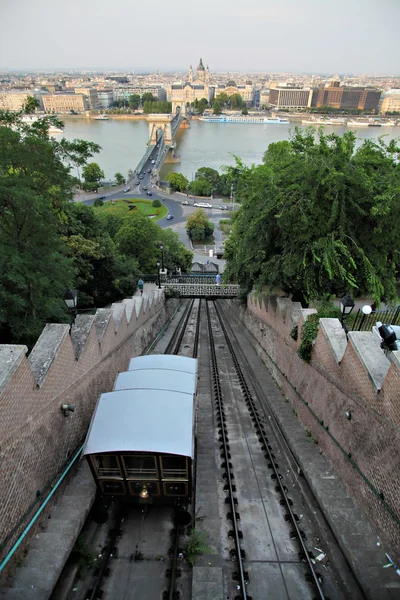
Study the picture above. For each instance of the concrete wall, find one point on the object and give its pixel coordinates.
(64, 367)
(343, 375)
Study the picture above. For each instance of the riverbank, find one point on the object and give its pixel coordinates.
(88, 117)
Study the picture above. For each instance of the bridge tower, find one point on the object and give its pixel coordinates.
(179, 106)
(159, 124)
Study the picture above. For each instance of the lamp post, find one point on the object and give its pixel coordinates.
(158, 272)
(162, 255)
(71, 300)
(346, 306)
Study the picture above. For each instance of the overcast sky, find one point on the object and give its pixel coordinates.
(315, 36)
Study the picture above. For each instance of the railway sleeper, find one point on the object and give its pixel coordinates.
(233, 554)
(285, 501)
(176, 595)
(224, 465)
(293, 535)
(272, 465)
(226, 487)
(168, 573)
(231, 534)
(228, 500)
(229, 516)
(236, 576)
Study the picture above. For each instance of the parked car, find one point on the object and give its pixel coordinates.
(153, 162)
(149, 193)
(141, 176)
(169, 217)
(127, 189)
(149, 170)
(137, 182)
(145, 188)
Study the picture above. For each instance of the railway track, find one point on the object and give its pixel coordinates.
(240, 410)
(269, 548)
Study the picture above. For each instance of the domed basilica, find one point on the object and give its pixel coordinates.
(196, 86)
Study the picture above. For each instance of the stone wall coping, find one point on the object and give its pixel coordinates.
(53, 336)
(278, 311)
(368, 349)
(46, 350)
(11, 357)
(335, 336)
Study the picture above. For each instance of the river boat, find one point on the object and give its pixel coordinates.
(323, 122)
(55, 129)
(244, 119)
(358, 123)
(101, 118)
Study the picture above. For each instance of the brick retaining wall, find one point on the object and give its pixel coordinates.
(337, 380)
(35, 436)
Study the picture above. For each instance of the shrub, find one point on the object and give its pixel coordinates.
(196, 546)
(156, 203)
(308, 334)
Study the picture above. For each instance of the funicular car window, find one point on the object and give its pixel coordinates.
(140, 467)
(174, 467)
(106, 465)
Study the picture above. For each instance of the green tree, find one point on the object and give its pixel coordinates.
(119, 178)
(201, 105)
(177, 181)
(134, 101)
(156, 203)
(217, 107)
(148, 97)
(34, 268)
(236, 102)
(176, 255)
(210, 175)
(102, 274)
(200, 187)
(319, 217)
(157, 107)
(137, 238)
(30, 105)
(92, 173)
(198, 226)
(245, 111)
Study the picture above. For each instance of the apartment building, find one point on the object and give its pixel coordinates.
(287, 96)
(65, 103)
(346, 98)
(390, 101)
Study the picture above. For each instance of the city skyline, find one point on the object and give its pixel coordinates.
(356, 37)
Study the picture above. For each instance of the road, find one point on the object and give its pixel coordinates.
(175, 208)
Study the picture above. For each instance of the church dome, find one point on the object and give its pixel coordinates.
(201, 66)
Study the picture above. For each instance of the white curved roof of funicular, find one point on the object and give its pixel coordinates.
(175, 381)
(150, 410)
(164, 361)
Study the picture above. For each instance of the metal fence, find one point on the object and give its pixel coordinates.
(362, 322)
(206, 278)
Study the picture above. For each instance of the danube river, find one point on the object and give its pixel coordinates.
(203, 144)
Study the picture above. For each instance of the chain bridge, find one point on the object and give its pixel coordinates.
(162, 132)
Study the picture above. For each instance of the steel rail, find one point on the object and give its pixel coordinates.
(184, 326)
(219, 402)
(260, 432)
(172, 348)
